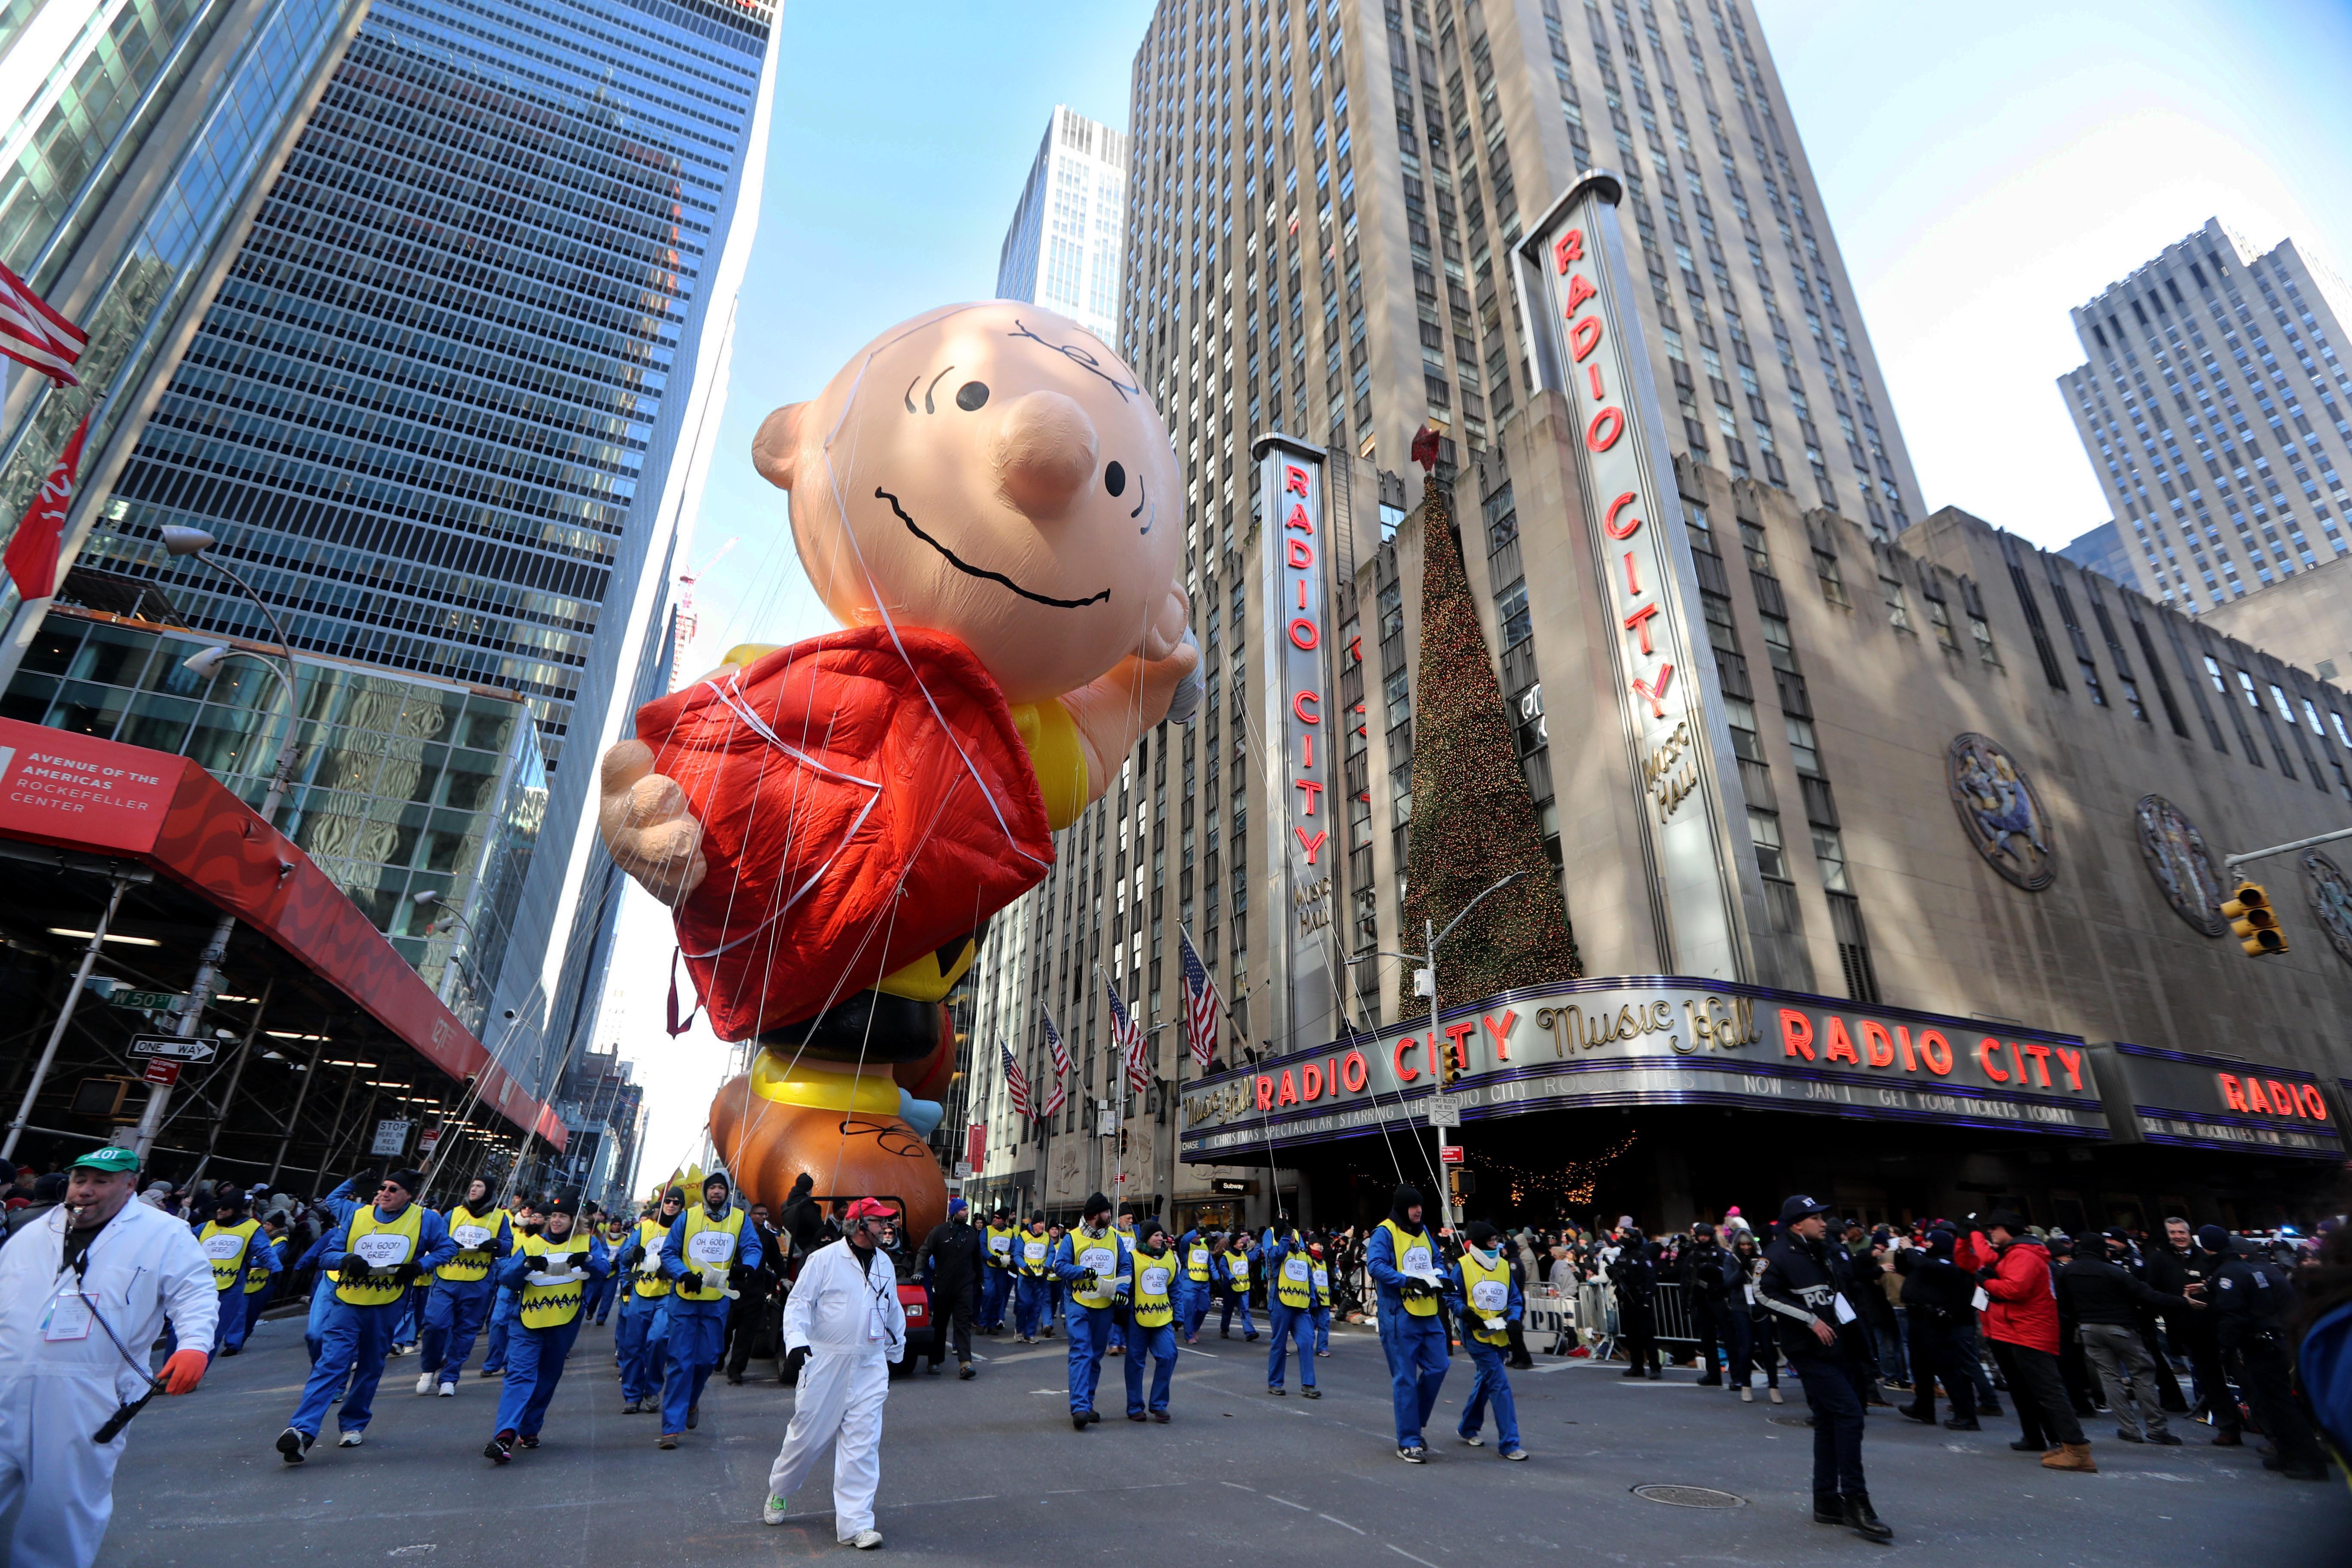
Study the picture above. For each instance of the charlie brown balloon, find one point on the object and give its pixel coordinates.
(987, 500)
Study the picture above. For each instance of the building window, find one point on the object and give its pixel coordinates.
(1982, 629)
(1772, 859)
(2091, 681)
(1939, 616)
(1829, 848)
(1801, 741)
(1898, 606)
(1742, 717)
(1825, 567)
(1399, 692)
(1511, 615)
(1854, 948)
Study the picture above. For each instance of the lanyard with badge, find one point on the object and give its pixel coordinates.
(70, 1312)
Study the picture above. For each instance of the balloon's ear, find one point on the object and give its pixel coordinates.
(775, 447)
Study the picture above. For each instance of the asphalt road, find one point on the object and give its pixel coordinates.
(990, 1472)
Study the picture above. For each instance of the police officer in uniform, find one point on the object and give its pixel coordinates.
(640, 1341)
(1092, 1264)
(1152, 1329)
(377, 1255)
(699, 1257)
(1489, 1301)
(462, 1289)
(1405, 1266)
(1290, 1308)
(1807, 1285)
(1033, 1265)
(2250, 1296)
(1634, 1274)
(549, 1274)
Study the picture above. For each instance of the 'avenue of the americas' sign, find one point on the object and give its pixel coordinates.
(1659, 1041)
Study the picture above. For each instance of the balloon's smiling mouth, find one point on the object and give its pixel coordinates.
(971, 571)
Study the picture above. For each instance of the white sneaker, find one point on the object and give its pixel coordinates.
(424, 1384)
(864, 1540)
(448, 1391)
(348, 1440)
(775, 1509)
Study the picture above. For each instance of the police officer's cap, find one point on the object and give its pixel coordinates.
(1801, 1207)
(2212, 1238)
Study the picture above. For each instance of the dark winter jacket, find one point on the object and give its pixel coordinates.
(1801, 1283)
(2098, 1291)
(954, 1251)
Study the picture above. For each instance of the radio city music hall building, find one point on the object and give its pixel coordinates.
(1894, 868)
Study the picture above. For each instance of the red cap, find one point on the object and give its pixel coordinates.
(870, 1208)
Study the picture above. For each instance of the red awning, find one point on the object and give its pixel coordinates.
(99, 797)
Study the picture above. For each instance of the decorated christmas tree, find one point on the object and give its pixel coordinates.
(1473, 822)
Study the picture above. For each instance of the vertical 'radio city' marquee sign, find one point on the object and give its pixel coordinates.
(1577, 298)
(1303, 848)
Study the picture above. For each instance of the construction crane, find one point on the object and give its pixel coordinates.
(681, 666)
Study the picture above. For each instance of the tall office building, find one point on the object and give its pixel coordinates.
(2213, 409)
(2103, 550)
(1324, 197)
(1063, 248)
(451, 403)
(135, 139)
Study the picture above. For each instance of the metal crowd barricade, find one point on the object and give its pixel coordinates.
(1672, 1312)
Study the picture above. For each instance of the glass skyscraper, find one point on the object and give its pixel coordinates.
(444, 410)
(1063, 248)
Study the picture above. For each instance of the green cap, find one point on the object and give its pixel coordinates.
(108, 1158)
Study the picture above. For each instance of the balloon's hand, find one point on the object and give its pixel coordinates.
(647, 823)
(1112, 711)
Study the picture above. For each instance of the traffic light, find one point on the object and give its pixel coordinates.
(2253, 921)
(1460, 1184)
(1447, 1072)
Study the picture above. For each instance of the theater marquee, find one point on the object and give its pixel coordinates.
(1658, 1041)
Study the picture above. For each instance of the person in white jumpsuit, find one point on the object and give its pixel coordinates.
(84, 1291)
(843, 1327)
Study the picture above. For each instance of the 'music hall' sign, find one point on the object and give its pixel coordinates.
(1657, 1041)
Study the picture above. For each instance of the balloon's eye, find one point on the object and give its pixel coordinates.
(1115, 480)
(972, 394)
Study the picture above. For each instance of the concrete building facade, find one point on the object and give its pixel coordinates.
(1323, 199)
(2215, 409)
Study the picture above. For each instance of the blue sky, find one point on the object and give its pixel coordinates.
(1985, 169)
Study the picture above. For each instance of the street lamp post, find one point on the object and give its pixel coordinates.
(1428, 960)
(195, 541)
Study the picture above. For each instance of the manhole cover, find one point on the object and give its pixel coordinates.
(1689, 1497)
(1790, 1420)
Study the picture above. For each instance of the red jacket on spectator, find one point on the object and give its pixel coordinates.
(2023, 1310)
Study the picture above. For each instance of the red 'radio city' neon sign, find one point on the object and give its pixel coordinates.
(1301, 585)
(2017, 1064)
(1621, 521)
(2273, 1097)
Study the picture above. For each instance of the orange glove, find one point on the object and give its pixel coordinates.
(183, 1370)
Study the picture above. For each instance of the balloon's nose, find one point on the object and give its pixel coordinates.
(1044, 453)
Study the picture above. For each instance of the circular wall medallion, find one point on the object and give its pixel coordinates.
(2175, 855)
(2331, 901)
(2000, 811)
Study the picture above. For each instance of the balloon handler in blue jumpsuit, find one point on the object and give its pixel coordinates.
(642, 1340)
(1152, 1326)
(233, 1244)
(1289, 1307)
(1405, 1264)
(549, 1274)
(377, 1254)
(339, 1205)
(524, 1220)
(1488, 1302)
(1094, 1265)
(1032, 1285)
(463, 1290)
(700, 1258)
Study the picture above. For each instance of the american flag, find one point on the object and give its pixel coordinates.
(1059, 1094)
(1016, 1082)
(1126, 1039)
(33, 334)
(1200, 1005)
